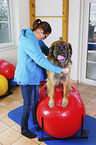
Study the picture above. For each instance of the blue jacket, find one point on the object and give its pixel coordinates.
(31, 59)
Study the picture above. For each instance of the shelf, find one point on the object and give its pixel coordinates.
(91, 62)
(93, 43)
(91, 51)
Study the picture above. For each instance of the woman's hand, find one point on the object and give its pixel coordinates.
(66, 70)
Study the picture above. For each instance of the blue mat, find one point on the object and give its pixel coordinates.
(89, 123)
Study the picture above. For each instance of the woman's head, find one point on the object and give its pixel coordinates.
(45, 26)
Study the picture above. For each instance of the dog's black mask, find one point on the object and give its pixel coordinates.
(60, 50)
(60, 53)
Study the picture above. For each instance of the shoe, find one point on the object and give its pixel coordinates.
(29, 134)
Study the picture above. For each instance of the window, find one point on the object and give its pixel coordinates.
(91, 51)
(5, 23)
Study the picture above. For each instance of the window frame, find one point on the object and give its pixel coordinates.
(9, 44)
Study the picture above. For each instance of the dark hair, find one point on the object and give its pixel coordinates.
(45, 26)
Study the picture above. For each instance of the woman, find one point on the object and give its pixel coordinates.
(30, 62)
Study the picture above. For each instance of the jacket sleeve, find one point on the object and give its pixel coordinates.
(32, 49)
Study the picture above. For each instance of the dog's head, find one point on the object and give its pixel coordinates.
(61, 51)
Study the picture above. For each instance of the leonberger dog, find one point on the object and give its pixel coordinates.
(60, 55)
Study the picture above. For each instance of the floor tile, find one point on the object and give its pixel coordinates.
(81, 87)
(9, 136)
(3, 126)
(85, 101)
(15, 96)
(7, 121)
(86, 95)
(93, 99)
(91, 90)
(20, 100)
(17, 127)
(90, 112)
(5, 101)
(91, 105)
(13, 105)
(24, 141)
(3, 111)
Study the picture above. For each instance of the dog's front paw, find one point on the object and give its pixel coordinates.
(51, 104)
(64, 103)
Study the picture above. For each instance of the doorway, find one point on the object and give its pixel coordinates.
(88, 68)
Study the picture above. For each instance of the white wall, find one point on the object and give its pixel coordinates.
(53, 15)
(74, 35)
(9, 55)
(21, 19)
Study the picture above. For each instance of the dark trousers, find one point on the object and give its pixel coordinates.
(30, 94)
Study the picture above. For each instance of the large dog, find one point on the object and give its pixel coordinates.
(60, 55)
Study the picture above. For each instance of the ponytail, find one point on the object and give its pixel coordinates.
(45, 26)
(36, 24)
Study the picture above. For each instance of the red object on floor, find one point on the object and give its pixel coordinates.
(60, 122)
(1, 61)
(7, 69)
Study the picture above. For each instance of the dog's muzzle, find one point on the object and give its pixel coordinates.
(61, 58)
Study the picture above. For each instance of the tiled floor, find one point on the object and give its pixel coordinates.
(10, 131)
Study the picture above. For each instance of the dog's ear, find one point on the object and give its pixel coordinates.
(61, 38)
(51, 51)
(70, 48)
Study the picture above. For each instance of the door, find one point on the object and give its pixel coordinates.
(88, 68)
(55, 12)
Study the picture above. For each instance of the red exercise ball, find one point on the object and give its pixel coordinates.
(61, 122)
(1, 61)
(7, 69)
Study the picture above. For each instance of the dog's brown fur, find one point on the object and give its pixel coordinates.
(59, 48)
